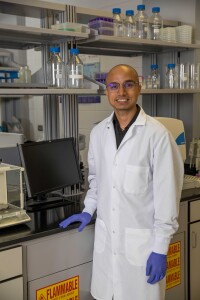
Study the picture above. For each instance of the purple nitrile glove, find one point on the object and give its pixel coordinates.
(156, 267)
(83, 217)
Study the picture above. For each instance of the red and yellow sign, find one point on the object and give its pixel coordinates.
(64, 290)
(173, 276)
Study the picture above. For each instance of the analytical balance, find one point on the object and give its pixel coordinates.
(12, 210)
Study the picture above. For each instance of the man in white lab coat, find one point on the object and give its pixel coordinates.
(135, 182)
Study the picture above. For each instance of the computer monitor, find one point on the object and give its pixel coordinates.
(49, 166)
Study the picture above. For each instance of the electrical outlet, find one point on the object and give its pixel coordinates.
(40, 127)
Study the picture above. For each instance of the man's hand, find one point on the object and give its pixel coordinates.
(84, 218)
(156, 267)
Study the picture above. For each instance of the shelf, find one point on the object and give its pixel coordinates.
(24, 37)
(51, 91)
(122, 46)
(169, 91)
(27, 8)
(48, 91)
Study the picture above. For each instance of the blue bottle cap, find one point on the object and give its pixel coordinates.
(154, 66)
(116, 10)
(54, 49)
(141, 7)
(171, 65)
(74, 51)
(130, 12)
(155, 9)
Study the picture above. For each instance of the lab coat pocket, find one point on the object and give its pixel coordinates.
(138, 245)
(136, 179)
(100, 236)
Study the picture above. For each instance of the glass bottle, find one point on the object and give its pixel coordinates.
(74, 70)
(141, 22)
(155, 24)
(55, 69)
(117, 20)
(155, 77)
(27, 74)
(171, 81)
(129, 24)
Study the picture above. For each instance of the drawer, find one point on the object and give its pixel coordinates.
(59, 252)
(12, 289)
(194, 210)
(11, 263)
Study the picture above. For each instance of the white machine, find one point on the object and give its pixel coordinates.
(11, 196)
(176, 128)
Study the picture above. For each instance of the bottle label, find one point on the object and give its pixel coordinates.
(76, 76)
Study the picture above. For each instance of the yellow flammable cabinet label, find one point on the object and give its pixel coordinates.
(64, 290)
(173, 276)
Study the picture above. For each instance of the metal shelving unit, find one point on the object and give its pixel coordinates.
(122, 46)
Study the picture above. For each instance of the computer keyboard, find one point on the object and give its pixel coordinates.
(191, 182)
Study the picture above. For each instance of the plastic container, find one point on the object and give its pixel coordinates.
(171, 79)
(55, 69)
(117, 21)
(102, 25)
(74, 70)
(155, 77)
(141, 22)
(129, 24)
(155, 24)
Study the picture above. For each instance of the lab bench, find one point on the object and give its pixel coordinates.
(38, 255)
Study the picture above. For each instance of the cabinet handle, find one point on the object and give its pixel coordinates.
(194, 240)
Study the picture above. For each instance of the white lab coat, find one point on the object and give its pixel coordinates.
(136, 190)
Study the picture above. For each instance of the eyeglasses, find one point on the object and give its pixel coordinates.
(127, 85)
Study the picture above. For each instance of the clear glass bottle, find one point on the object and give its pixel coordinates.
(75, 70)
(141, 22)
(117, 20)
(55, 69)
(171, 81)
(129, 24)
(27, 74)
(155, 24)
(155, 77)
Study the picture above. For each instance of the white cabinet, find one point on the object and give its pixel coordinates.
(194, 248)
(11, 280)
(59, 257)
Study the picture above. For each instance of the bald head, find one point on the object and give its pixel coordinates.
(122, 68)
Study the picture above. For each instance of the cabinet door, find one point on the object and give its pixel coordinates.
(12, 289)
(194, 261)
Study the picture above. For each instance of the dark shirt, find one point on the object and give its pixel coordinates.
(119, 133)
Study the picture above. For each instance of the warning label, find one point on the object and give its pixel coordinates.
(173, 276)
(64, 290)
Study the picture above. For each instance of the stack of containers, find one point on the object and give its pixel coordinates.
(102, 25)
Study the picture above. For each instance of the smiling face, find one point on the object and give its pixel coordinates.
(123, 89)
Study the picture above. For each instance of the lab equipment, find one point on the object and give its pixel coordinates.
(74, 70)
(171, 78)
(176, 127)
(55, 69)
(129, 24)
(156, 267)
(141, 22)
(155, 24)
(117, 21)
(183, 71)
(49, 166)
(83, 217)
(194, 154)
(155, 77)
(12, 210)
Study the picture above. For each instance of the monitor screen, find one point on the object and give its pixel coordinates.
(49, 165)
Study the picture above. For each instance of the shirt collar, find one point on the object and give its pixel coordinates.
(141, 119)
